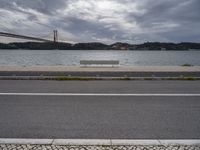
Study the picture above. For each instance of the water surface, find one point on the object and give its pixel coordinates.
(72, 58)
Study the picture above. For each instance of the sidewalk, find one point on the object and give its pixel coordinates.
(101, 69)
(51, 72)
(109, 144)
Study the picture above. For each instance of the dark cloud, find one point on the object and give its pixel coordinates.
(106, 20)
(43, 6)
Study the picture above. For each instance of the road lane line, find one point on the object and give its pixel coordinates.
(101, 94)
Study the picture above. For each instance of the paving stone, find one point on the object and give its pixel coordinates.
(55, 147)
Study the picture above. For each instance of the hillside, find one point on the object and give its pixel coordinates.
(101, 46)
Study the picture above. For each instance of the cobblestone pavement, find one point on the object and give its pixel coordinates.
(55, 147)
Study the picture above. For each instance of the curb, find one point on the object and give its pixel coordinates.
(93, 78)
(27, 141)
(98, 142)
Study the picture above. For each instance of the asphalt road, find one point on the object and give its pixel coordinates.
(100, 117)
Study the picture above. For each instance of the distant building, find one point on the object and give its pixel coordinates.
(124, 48)
(120, 46)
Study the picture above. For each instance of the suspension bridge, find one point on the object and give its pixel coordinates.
(18, 36)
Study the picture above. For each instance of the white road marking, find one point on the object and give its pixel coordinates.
(97, 142)
(102, 94)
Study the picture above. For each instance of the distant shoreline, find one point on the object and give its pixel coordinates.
(184, 46)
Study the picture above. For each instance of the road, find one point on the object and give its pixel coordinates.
(103, 113)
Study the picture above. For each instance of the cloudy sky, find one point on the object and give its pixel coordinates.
(133, 21)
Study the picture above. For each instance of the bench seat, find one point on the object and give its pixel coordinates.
(99, 62)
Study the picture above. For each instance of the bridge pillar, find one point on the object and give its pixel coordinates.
(55, 33)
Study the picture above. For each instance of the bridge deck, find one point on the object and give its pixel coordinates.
(23, 37)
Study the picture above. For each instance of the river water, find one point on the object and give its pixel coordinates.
(72, 58)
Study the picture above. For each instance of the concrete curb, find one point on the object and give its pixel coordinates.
(81, 142)
(93, 78)
(27, 141)
(98, 142)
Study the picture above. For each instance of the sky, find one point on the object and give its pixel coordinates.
(107, 21)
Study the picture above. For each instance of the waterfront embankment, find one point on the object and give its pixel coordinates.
(151, 72)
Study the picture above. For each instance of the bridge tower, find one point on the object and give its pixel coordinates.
(55, 33)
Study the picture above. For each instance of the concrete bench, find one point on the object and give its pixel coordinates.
(108, 63)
